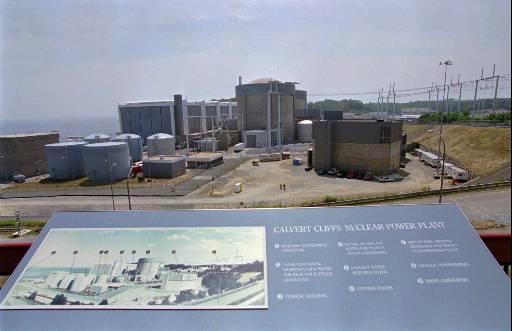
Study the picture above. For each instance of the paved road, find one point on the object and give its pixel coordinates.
(199, 179)
(481, 205)
(478, 206)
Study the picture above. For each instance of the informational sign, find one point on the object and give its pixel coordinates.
(409, 267)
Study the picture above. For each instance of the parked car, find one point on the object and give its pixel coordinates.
(436, 175)
(332, 172)
(341, 174)
(385, 179)
(19, 178)
(321, 172)
(351, 175)
(368, 176)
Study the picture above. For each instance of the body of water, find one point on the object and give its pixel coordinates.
(67, 126)
(43, 272)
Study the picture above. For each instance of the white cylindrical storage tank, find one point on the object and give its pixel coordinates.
(65, 160)
(305, 131)
(96, 138)
(161, 144)
(104, 162)
(134, 145)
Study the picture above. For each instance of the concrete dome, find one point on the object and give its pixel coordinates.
(160, 136)
(263, 80)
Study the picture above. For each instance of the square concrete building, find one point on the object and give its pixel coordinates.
(358, 145)
(164, 166)
(24, 154)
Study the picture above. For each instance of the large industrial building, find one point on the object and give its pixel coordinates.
(357, 145)
(176, 117)
(269, 105)
(24, 154)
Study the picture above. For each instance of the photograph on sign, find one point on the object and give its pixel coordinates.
(145, 268)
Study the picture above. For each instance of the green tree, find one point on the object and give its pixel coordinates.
(223, 280)
(59, 299)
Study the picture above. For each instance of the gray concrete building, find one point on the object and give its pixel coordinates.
(357, 145)
(24, 154)
(204, 160)
(164, 166)
(270, 105)
(176, 117)
(146, 118)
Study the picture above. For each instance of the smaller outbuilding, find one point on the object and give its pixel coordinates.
(255, 138)
(204, 160)
(164, 166)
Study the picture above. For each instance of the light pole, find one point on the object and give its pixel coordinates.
(111, 187)
(75, 252)
(442, 169)
(214, 252)
(128, 188)
(446, 64)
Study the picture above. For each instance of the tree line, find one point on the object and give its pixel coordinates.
(358, 107)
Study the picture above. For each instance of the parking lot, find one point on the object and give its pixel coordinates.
(263, 182)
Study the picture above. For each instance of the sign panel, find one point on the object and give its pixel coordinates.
(357, 268)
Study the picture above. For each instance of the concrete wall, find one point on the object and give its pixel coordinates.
(357, 146)
(259, 139)
(252, 102)
(380, 159)
(322, 148)
(164, 168)
(24, 154)
(145, 119)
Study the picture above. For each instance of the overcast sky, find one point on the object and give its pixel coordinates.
(193, 245)
(70, 58)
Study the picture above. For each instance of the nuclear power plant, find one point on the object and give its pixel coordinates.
(169, 136)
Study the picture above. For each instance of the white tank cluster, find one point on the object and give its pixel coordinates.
(161, 144)
(105, 162)
(305, 131)
(96, 138)
(65, 160)
(134, 143)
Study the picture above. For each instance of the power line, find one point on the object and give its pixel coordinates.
(504, 77)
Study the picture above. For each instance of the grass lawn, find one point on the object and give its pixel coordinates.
(483, 150)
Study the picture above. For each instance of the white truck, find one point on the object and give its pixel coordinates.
(239, 147)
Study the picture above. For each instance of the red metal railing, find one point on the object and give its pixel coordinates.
(11, 253)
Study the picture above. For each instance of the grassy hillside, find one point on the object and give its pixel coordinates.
(483, 150)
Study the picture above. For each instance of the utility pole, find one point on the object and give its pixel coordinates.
(495, 93)
(476, 93)
(460, 93)
(437, 99)
(394, 100)
(387, 102)
(446, 64)
(382, 101)
(378, 103)
(431, 89)
(446, 110)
